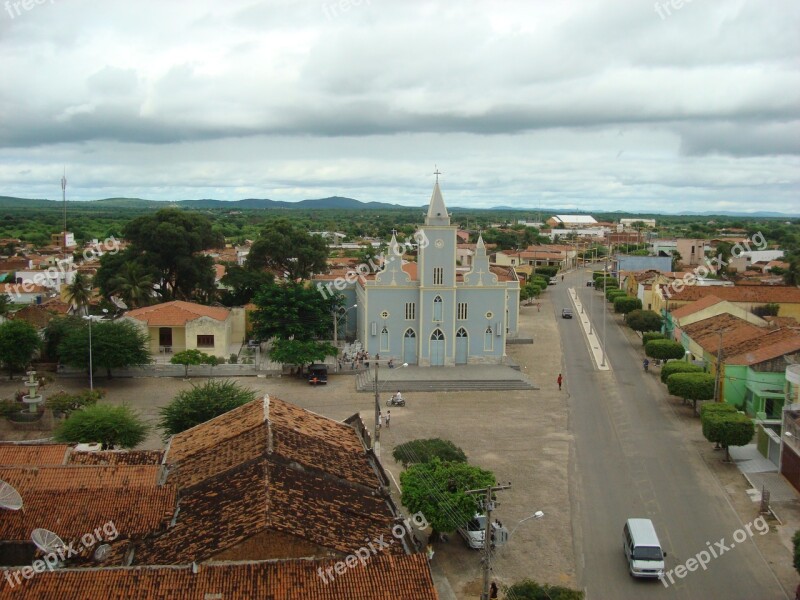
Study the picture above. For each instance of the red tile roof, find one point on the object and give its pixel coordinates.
(734, 331)
(773, 344)
(116, 457)
(693, 307)
(33, 454)
(67, 478)
(176, 313)
(758, 294)
(382, 577)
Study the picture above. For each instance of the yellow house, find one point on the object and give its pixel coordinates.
(746, 297)
(177, 326)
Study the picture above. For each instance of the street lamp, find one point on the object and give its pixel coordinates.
(376, 437)
(89, 318)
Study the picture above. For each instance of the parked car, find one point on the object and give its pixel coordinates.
(566, 313)
(590, 284)
(553, 281)
(473, 531)
(317, 374)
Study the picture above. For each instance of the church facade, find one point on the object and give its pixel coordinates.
(432, 312)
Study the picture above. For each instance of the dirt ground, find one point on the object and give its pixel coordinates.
(521, 436)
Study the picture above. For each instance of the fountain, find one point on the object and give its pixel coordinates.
(32, 399)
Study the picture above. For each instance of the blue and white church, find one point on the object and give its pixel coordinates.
(433, 312)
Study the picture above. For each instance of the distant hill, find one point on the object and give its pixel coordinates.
(333, 202)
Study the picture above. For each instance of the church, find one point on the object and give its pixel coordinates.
(433, 312)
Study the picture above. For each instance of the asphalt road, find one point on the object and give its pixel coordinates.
(631, 460)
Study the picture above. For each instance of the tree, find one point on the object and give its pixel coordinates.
(437, 489)
(691, 386)
(649, 336)
(5, 304)
(626, 304)
(796, 553)
(191, 357)
(19, 341)
(664, 349)
(244, 284)
(422, 451)
(289, 249)
(202, 403)
(767, 310)
(293, 310)
(109, 425)
(133, 284)
(530, 590)
(300, 352)
(56, 330)
(115, 345)
(643, 320)
(712, 418)
(735, 429)
(678, 366)
(78, 293)
(169, 244)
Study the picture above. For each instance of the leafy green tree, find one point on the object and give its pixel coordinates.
(649, 336)
(678, 366)
(66, 403)
(767, 310)
(244, 284)
(5, 304)
(112, 426)
(691, 386)
(614, 293)
(55, 331)
(422, 451)
(287, 248)
(734, 429)
(134, 284)
(437, 489)
(169, 244)
(664, 349)
(115, 345)
(300, 352)
(78, 294)
(530, 590)
(626, 304)
(19, 341)
(796, 553)
(293, 310)
(643, 320)
(191, 357)
(202, 403)
(711, 416)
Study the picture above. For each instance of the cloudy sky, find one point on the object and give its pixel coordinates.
(597, 104)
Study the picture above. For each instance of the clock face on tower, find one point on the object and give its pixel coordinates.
(439, 243)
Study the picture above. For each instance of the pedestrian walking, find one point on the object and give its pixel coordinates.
(559, 380)
(493, 591)
(380, 419)
(388, 417)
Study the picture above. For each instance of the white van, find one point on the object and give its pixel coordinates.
(642, 548)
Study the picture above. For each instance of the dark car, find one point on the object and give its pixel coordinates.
(317, 374)
(590, 284)
(566, 313)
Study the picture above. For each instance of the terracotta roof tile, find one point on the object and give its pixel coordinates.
(176, 313)
(734, 331)
(67, 478)
(116, 457)
(383, 577)
(773, 344)
(33, 454)
(693, 307)
(740, 293)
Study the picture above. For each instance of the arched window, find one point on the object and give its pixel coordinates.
(488, 339)
(437, 309)
(384, 339)
(437, 335)
(461, 333)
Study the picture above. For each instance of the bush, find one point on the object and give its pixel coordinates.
(644, 320)
(649, 336)
(614, 293)
(66, 404)
(664, 349)
(202, 403)
(625, 304)
(796, 544)
(10, 408)
(547, 271)
(530, 590)
(691, 386)
(109, 425)
(677, 366)
(233, 359)
(423, 451)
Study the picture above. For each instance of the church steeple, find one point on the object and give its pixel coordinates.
(437, 211)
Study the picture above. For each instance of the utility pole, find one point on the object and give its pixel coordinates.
(376, 441)
(719, 368)
(488, 507)
(605, 309)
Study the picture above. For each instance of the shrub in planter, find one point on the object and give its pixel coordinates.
(233, 359)
(678, 366)
(615, 293)
(649, 336)
(664, 349)
(625, 304)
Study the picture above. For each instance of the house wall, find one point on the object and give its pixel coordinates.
(221, 330)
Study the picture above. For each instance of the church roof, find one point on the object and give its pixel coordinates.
(437, 211)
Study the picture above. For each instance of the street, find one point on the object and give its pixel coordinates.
(632, 461)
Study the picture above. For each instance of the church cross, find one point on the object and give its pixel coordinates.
(437, 172)
(480, 276)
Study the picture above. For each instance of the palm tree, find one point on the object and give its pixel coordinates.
(133, 285)
(78, 293)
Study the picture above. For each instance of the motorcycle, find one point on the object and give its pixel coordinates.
(393, 401)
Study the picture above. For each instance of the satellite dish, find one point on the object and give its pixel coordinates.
(119, 303)
(9, 497)
(103, 550)
(47, 541)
